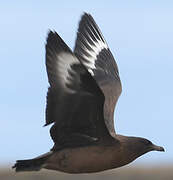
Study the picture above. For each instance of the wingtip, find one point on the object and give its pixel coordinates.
(55, 41)
(86, 15)
(50, 34)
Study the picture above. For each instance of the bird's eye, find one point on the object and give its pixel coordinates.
(146, 142)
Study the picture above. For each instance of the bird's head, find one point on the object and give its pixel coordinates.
(141, 146)
(137, 146)
(147, 145)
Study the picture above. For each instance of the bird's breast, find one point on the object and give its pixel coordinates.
(85, 159)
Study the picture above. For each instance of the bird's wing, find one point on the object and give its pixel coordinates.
(74, 100)
(93, 51)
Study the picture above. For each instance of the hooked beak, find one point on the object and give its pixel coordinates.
(157, 148)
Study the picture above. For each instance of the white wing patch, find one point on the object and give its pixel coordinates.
(94, 51)
(65, 60)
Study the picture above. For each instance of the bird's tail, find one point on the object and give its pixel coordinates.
(31, 164)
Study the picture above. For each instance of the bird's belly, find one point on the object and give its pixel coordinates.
(85, 159)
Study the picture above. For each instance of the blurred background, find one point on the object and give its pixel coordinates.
(139, 34)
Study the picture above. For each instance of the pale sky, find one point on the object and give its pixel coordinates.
(139, 34)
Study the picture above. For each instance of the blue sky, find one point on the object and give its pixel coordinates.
(140, 35)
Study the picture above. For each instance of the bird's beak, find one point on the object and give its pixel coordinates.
(157, 148)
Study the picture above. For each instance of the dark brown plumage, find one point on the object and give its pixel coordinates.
(84, 89)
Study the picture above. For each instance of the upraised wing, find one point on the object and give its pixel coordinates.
(93, 51)
(74, 100)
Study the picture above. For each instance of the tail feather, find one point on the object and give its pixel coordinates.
(28, 165)
(31, 164)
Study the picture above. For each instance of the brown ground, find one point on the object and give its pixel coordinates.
(126, 173)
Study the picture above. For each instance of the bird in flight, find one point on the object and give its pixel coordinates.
(84, 88)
